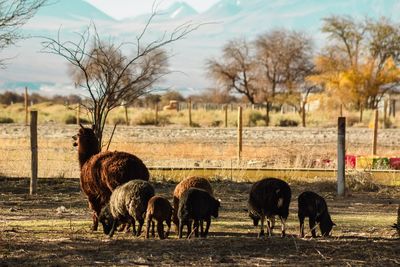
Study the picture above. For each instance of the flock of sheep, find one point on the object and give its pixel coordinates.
(116, 185)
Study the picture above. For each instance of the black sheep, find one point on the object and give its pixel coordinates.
(314, 207)
(269, 197)
(196, 205)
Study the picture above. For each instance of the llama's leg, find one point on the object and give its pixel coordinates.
(95, 222)
(271, 221)
(283, 222)
(175, 219)
(301, 220)
(312, 226)
(160, 229)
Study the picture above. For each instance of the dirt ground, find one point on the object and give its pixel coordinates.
(52, 228)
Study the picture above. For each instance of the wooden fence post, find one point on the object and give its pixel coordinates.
(226, 115)
(394, 108)
(190, 111)
(341, 110)
(26, 105)
(341, 151)
(375, 138)
(126, 114)
(240, 130)
(34, 153)
(385, 109)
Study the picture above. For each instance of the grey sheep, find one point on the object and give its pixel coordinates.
(196, 205)
(128, 203)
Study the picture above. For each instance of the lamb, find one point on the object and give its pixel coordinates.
(128, 203)
(269, 197)
(183, 186)
(196, 205)
(160, 210)
(102, 172)
(314, 207)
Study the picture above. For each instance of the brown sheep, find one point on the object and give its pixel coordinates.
(102, 172)
(182, 187)
(160, 210)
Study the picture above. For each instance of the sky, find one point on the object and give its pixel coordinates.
(119, 9)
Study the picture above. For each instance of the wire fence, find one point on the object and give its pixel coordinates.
(189, 147)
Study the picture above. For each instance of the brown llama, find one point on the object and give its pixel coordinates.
(102, 172)
(182, 187)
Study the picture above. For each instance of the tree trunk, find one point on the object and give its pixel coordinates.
(267, 108)
(303, 113)
(361, 113)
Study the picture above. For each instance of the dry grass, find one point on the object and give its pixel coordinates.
(33, 233)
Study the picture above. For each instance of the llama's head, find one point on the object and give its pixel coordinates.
(87, 143)
(326, 225)
(106, 219)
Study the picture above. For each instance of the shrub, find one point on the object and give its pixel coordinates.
(361, 181)
(255, 117)
(119, 120)
(71, 119)
(6, 120)
(216, 123)
(287, 123)
(148, 118)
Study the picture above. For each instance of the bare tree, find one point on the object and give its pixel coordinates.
(107, 74)
(285, 59)
(236, 70)
(14, 14)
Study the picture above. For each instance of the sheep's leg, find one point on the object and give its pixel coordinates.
(141, 222)
(312, 226)
(189, 228)
(152, 229)
(283, 222)
(95, 224)
(271, 222)
(301, 220)
(208, 223)
(168, 222)
(113, 228)
(201, 228)
(180, 225)
(261, 234)
(160, 229)
(196, 228)
(148, 224)
(133, 226)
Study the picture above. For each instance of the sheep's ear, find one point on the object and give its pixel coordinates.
(245, 210)
(80, 124)
(334, 224)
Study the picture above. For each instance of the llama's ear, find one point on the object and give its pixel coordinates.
(334, 224)
(93, 126)
(80, 124)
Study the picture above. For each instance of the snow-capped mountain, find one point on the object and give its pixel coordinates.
(225, 20)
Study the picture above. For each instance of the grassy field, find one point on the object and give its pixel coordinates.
(49, 112)
(35, 231)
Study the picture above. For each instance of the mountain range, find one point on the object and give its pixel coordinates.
(225, 20)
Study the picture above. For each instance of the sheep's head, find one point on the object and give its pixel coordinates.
(217, 204)
(326, 226)
(255, 217)
(106, 219)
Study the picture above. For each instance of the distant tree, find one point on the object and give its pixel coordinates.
(7, 98)
(214, 95)
(361, 62)
(14, 14)
(235, 71)
(285, 59)
(152, 99)
(111, 77)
